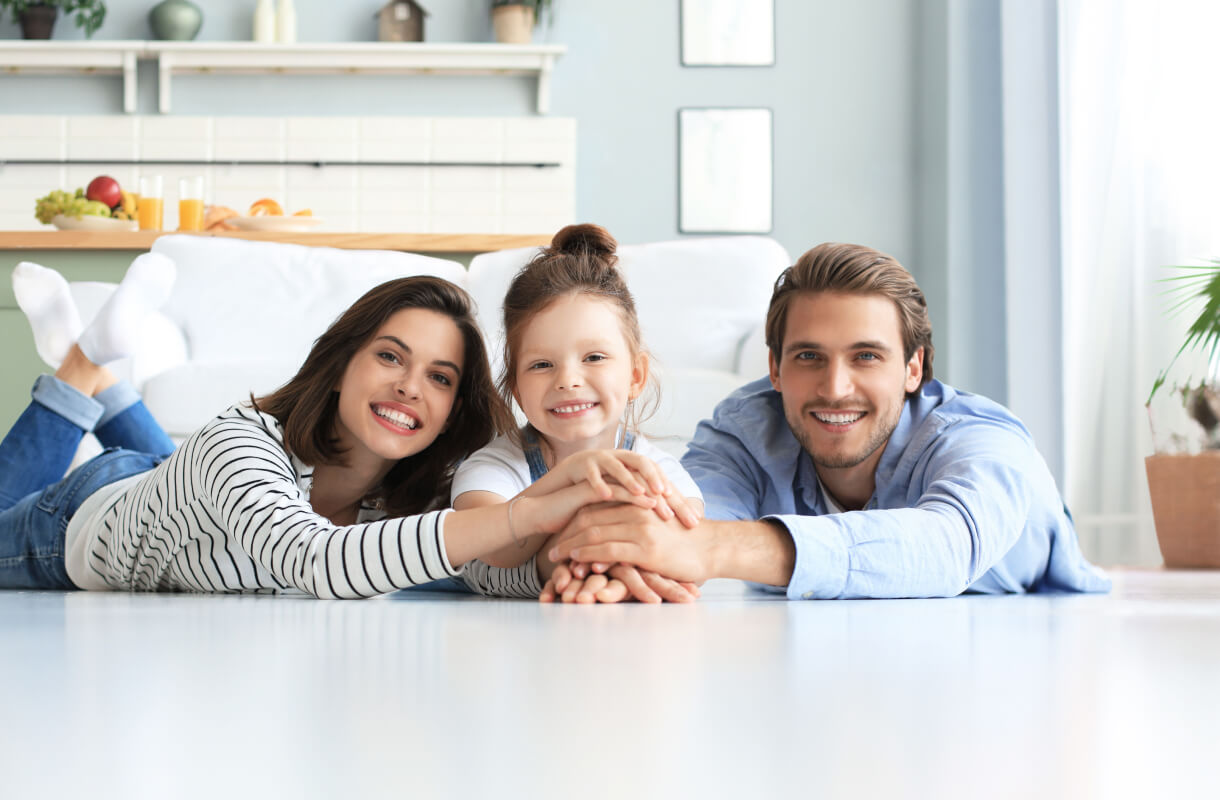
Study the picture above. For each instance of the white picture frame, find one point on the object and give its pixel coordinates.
(723, 33)
(725, 182)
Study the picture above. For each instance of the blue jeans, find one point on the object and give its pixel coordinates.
(36, 500)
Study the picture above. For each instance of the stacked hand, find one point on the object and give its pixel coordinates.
(606, 581)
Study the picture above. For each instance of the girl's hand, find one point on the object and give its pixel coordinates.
(637, 473)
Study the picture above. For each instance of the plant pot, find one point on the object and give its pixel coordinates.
(513, 24)
(37, 22)
(1185, 493)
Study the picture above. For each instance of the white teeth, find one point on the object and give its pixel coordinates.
(573, 408)
(838, 419)
(397, 417)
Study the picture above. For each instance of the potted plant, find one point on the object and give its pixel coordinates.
(1185, 487)
(37, 19)
(514, 20)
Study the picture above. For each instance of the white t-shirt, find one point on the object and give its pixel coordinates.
(501, 468)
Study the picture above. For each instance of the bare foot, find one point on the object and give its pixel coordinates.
(83, 375)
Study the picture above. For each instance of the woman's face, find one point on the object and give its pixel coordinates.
(398, 391)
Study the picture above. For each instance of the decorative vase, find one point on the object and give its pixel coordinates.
(285, 22)
(513, 24)
(37, 22)
(264, 22)
(175, 20)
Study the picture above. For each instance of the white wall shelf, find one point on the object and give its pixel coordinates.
(120, 57)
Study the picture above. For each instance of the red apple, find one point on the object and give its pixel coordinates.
(105, 189)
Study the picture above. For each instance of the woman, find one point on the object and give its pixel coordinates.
(330, 485)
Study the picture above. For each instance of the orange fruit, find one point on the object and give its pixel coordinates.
(266, 207)
(304, 212)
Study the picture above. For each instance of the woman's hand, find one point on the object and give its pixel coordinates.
(550, 513)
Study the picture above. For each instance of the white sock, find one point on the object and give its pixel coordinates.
(44, 296)
(115, 332)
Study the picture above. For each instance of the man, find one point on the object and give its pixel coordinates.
(944, 491)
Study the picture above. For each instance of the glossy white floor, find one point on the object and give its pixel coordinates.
(430, 694)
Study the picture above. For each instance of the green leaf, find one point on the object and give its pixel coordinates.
(1199, 283)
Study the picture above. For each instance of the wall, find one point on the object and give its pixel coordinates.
(843, 91)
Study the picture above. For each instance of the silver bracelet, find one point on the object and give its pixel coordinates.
(511, 532)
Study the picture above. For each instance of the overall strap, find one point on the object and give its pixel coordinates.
(533, 452)
(533, 455)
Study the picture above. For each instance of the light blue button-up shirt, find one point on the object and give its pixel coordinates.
(963, 501)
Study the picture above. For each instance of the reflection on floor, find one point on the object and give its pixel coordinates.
(425, 694)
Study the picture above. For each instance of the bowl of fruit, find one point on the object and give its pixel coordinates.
(103, 206)
(267, 215)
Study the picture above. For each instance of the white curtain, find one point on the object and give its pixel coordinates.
(1140, 136)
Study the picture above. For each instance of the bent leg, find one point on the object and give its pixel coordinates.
(38, 449)
(127, 423)
(32, 547)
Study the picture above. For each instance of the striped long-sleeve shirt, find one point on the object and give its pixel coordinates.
(229, 511)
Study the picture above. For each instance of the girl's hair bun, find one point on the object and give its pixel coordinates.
(584, 239)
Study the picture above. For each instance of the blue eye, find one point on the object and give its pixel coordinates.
(868, 356)
(806, 355)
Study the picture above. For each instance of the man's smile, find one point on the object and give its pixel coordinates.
(838, 418)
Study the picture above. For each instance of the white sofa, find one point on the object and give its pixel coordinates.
(244, 314)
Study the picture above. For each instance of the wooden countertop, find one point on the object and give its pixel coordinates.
(413, 242)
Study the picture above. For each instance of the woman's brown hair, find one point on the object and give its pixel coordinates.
(307, 405)
(582, 259)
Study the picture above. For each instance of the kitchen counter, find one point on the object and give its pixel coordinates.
(413, 242)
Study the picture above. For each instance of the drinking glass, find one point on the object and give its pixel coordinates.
(190, 203)
(151, 208)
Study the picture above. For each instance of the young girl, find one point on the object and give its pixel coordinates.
(574, 363)
(330, 485)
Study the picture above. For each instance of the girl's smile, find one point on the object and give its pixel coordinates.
(576, 372)
(573, 409)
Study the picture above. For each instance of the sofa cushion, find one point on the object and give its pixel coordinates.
(182, 399)
(687, 395)
(238, 300)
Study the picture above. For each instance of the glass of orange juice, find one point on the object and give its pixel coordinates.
(151, 207)
(190, 203)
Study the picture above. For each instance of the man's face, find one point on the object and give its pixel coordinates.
(843, 378)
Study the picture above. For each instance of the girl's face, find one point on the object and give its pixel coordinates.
(399, 389)
(576, 372)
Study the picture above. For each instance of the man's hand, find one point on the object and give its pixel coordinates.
(633, 535)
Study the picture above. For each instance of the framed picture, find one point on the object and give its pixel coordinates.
(728, 33)
(724, 170)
